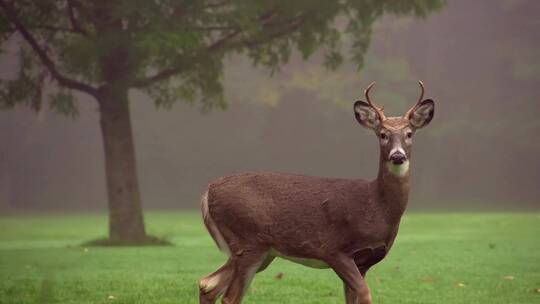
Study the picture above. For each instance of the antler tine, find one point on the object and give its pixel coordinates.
(423, 89)
(379, 110)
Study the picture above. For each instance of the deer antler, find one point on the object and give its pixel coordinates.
(411, 110)
(377, 109)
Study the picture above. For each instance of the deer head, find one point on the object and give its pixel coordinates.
(395, 133)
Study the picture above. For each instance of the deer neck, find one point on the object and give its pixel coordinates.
(393, 186)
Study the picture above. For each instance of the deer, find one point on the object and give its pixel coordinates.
(347, 225)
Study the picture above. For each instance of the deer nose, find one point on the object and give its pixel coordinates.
(398, 158)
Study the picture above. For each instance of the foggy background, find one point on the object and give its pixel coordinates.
(480, 61)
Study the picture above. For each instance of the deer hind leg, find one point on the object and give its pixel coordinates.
(214, 284)
(352, 296)
(356, 288)
(245, 267)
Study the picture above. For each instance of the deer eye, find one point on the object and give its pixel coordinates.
(409, 134)
(383, 136)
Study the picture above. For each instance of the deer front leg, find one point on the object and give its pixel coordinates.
(356, 288)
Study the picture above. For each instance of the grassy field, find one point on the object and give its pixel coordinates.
(437, 258)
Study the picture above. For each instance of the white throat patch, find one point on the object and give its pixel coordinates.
(398, 170)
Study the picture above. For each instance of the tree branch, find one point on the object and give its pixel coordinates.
(54, 29)
(74, 24)
(223, 44)
(294, 24)
(42, 54)
(216, 4)
(218, 43)
(166, 73)
(211, 28)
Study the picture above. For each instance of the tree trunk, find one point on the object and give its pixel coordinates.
(125, 210)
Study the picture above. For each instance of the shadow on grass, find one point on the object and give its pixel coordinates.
(148, 240)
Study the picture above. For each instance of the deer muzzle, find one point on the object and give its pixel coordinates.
(397, 156)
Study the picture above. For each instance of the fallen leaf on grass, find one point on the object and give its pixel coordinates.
(330, 294)
(428, 279)
(460, 284)
(111, 297)
(537, 290)
(279, 276)
(508, 277)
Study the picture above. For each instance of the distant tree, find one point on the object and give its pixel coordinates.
(172, 50)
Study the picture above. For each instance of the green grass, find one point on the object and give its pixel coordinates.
(437, 258)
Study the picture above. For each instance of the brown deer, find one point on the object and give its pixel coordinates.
(346, 225)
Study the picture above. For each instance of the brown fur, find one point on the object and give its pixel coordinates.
(328, 222)
(347, 225)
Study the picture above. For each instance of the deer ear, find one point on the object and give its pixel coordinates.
(422, 114)
(366, 115)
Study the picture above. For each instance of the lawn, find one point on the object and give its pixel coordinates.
(437, 258)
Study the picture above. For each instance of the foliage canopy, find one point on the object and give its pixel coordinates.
(171, 49)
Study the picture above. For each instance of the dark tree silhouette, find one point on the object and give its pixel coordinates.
(172, 50)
